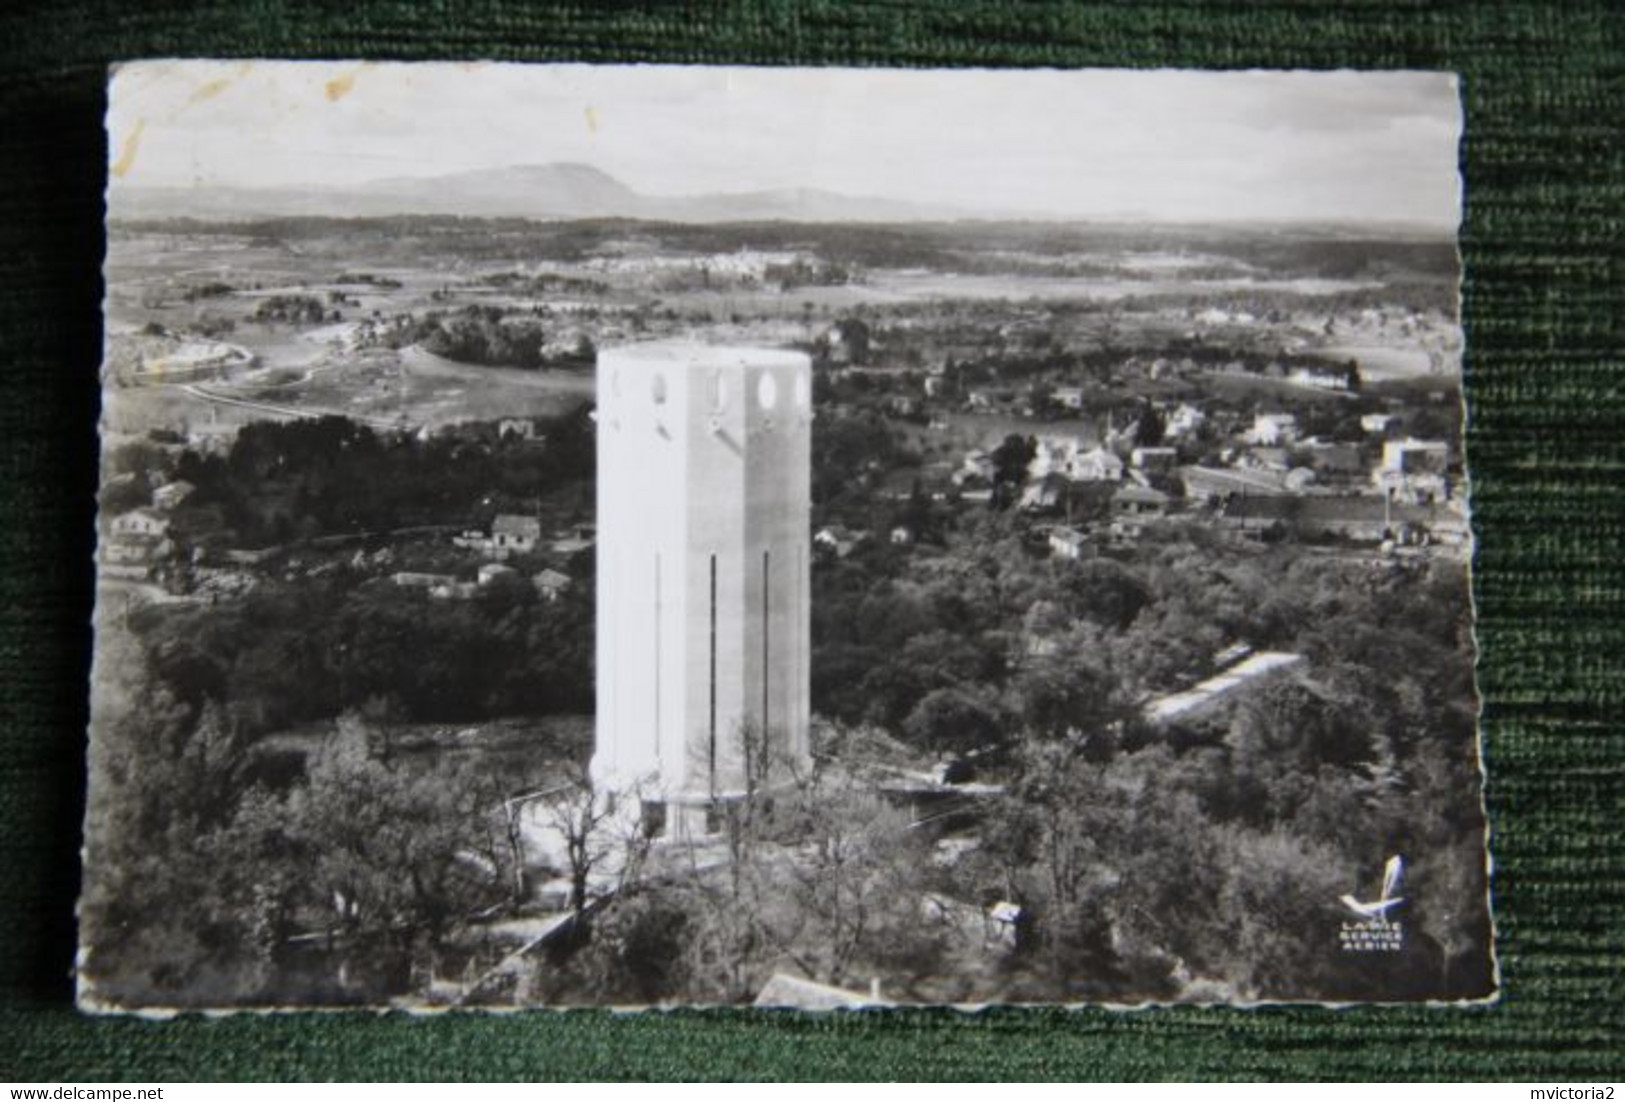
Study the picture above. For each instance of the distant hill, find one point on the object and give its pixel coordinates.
(550, 191)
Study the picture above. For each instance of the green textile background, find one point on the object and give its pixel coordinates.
(1545, 289)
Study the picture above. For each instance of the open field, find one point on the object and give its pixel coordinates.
(326, 309)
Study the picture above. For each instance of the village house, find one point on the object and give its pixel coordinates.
(989, 400)
(1154, 460)
(1183, 421)
(1264, 459)
(550, 584)
(1333, 463)
(1098, 464)
(902, 534)
(1299, 480)
(140, 522)
(1206, 484)
(838, 540)
(454, 591)
(514, 535)
(902, 405)
(1133, 506)
(191, 362)
(134, 555)
(511, 534)
(1046, 494)
(493, 571)
(252, 556)
(1067, 543)
(574, 540)
(1068, 397)
(934, 480)
(1135, 500)
(1359, 519)
(1412, 456)
(411, 579)
(1052, 455)
(521, 428)
(1413, 471)
(171, 494)
(1273, 428)
(1323, 378)
(137, 542)
(978, 466)
(1378, 423)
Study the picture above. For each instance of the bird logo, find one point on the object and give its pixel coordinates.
(1377, 910)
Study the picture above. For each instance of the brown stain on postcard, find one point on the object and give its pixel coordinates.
(126, 157)
(209, 90)
(341, 86)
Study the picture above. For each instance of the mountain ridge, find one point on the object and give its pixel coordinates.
(555, 190)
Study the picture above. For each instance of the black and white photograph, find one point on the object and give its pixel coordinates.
(659, 536)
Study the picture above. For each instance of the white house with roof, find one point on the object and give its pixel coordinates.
(1414, 471)
(978, 465)
(1183, 421)
(1322, 378)
(140, 522)
(512, 534)
(1067, 543)
(1098, 464)
(171, 494)
(1133, 505)
(550, 584)
(1273, 428)
(1054, 455)
(137, 542)
(1412, 456)
(1068, 397)
(838, 540)
(493, 571)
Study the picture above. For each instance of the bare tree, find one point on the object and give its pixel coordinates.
(603, 835)
(582, 818)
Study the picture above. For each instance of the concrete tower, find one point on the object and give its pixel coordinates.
(704, 477)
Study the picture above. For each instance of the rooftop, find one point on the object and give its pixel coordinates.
(691, 354)
(796, 993)
(1170, 707)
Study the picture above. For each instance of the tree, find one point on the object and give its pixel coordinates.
(724, 902)
(844, 901)
(393, 866)
(602, 835)
(854, 334)
(1072, 692)
(1012, 458)
(1151, 427)
(952, 720)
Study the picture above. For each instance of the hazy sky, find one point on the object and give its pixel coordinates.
(1094, 143)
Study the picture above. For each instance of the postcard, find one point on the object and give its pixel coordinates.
(654, 536)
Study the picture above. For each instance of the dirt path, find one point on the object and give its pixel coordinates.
(424, 363)
(203, 394)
